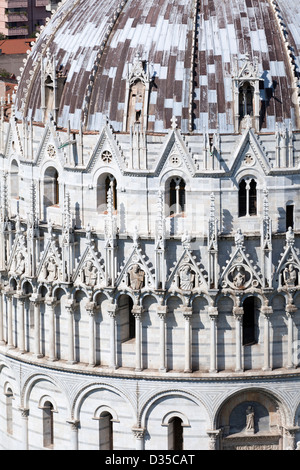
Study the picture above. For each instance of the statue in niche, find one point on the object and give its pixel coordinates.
(136, 277)
(89, 274)
(239, 238)
(187, 278)
(50, 270)
(250, 420)
(239, 277)
(290, 276)
(20, 264)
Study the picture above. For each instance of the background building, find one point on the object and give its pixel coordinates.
(22, 18)
(149, 237)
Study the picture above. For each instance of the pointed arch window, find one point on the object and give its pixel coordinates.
(247, 197)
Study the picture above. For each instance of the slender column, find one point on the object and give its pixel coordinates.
(74, 434)
(162, 313)
(238, 313)
(50, 304)
(213, 315)
(187, 313)
(90, 308)
(267, 312)
(112, 315)
(24, 420)
(70, 313)
(1, 316)
(139, 437)
(35, 299)
(21, 321)
(290, 312)
(137, 313)
(9, 297)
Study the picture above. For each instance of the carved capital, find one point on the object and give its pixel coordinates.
(138, 432)
(213, 313)
(267, 311)
(238, 313)
(162, 311)
(137, 311)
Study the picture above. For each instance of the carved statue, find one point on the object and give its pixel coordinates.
(20, 263)
(239, 277)
(50, 270)
(239, 238)
(290, 276)
(250, 419)
(136, 276)
(89, 274)
(187, 278)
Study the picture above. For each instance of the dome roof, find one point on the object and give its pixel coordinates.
(186, 53)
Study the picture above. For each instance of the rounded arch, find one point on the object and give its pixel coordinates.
(106, 409)
(175, 414)
(47, 399)
(174, 173)
(91, 388)
(14, 178)
(270, 400)
(39, 378)
(153, 399)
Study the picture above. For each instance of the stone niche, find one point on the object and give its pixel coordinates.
(250, 421)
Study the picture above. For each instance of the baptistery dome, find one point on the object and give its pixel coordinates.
(149, 236)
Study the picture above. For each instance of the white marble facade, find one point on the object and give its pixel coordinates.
(149, 282)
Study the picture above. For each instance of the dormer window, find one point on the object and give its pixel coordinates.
(137, 95)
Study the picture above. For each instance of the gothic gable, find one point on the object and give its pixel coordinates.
(174, 155)
(89, 272)
(239, 273)
(187, 275)
(136, 273)
(107, 151)
(288, 270)
(249, 154)
(50, 266)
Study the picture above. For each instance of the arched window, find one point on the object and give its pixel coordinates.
(106, 431)
(9, 411)
(14, 180)
(247, 198)
(136, 104)
(175, 196)
(48, 424)
(49, 96)
(246, 95)
(127, 319)
(105, 183)
(249, 322)
(175, 434)
(51, 187)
